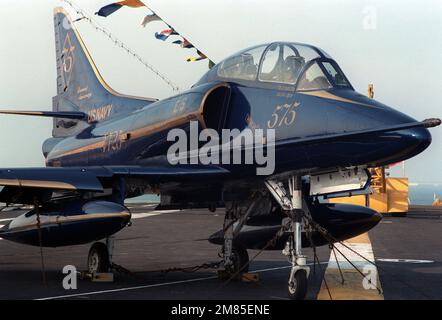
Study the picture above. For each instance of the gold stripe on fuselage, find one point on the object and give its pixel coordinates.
(330, 96)
(137, 133)
(167, 124)
(86, 148)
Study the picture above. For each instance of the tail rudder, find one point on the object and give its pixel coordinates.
(80, 87)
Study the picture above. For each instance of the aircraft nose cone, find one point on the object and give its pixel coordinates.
(416, 140)
(422, 137)
(375, 218)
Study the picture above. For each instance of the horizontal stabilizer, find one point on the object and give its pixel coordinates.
(52, 114)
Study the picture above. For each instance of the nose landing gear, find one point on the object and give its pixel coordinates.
(292, 204)
(297, 284)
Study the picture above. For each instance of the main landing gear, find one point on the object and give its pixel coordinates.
(235, 256)
(99, 260)
(291, 202)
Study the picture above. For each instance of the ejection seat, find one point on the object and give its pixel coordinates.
(292, 68)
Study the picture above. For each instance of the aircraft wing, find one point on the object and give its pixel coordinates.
(22, 185)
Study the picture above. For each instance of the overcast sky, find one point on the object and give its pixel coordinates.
(397, 45)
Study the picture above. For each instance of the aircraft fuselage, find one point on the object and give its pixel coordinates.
(140, 138)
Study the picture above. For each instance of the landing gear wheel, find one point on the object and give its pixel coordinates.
(98, 258)
(240, 259)
(297, 289)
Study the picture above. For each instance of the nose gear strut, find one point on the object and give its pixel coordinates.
(292, 203)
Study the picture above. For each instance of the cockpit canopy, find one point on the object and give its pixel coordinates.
(300, 65)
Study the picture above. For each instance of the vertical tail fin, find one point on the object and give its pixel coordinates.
(80, 87)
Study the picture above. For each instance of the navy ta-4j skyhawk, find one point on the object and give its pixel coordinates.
(107, 147)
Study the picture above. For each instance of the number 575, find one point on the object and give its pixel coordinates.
(283, 115)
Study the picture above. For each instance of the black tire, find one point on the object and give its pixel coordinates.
(98, 258)
(298, 290)
(240, 259)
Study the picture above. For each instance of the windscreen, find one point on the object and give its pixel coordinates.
(336, 74)
(314, 79)
(283, 62)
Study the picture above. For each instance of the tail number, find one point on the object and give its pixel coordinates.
(113, 141)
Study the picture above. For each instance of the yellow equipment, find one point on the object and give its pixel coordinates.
(393, 200)
(437, 203)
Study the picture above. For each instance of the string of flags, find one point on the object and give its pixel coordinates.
(111, 8)
(184, 43)
(165, 34)
(84, 16)
(201, 56)
(149, 18)
(162, 35)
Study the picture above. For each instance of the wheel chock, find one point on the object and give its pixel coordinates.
(250, 277)
(97, 277)
(103, 277)
(244, 277)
